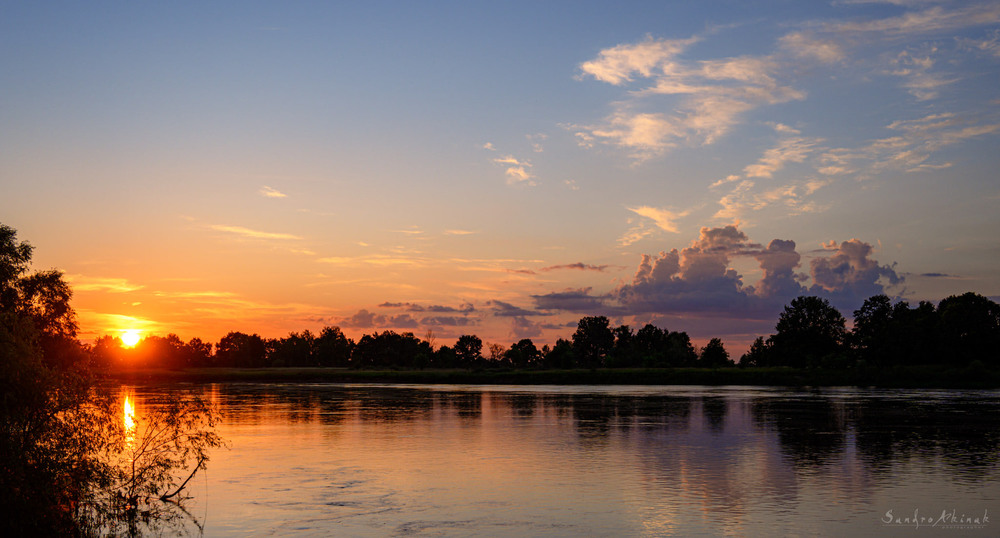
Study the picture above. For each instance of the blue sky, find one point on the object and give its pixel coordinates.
(499, 168)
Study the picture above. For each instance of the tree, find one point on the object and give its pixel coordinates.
(592, 341)
(650, 345)
(523, 353)
(809, 330)
(873, 323)
(714, 355)
(468, 350)
(758, 355)
(970, 329)
(58, 432)
(333, 348)
(241, 350)
(679, 350)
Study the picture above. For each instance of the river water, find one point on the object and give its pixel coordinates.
(406, 460)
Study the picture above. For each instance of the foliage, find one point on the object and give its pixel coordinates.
(714, 355)
(60, 448)
(593, 341)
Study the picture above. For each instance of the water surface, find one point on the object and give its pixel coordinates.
(363, 460)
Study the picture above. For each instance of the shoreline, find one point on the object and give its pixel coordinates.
(911, 377)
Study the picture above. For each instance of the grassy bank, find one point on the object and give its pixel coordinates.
(900, 377)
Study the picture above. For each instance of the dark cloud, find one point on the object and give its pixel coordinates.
(413, 307)
(521, 327)
(448, 321)
(937, 275)
(577, 266)
(503, 309)
(363, 320)
(578, 300)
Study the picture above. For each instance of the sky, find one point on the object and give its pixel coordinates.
(499, 168)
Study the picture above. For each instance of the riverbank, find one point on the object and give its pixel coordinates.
(975, 377)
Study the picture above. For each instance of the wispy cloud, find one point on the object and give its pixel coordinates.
(254, 234)
(111, 285)
(710, 96)
(271, 192)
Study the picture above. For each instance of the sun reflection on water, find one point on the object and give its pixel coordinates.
(129, 420)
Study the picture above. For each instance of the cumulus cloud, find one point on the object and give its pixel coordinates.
(700, 280)
(810, 47)
(849, 275)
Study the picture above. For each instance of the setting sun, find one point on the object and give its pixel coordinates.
(131, 337)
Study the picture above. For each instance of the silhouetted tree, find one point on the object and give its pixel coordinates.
(873, 327)
(561, 355)
(809, 331)
(714, 355)
(970, 328)
(679, 350)
(650, 346)
(523, 353)
(592, 341)
(241, 350)
(758, 355)
(469, 350)
(332, 348)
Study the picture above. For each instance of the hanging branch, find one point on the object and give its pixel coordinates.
(167, 496)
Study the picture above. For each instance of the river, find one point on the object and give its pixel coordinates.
(446, 460)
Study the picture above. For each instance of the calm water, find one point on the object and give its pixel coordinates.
(598, 461)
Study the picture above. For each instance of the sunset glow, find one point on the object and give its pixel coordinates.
(131, 337)
(692, 165)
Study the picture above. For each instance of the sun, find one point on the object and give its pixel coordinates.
(131, 337)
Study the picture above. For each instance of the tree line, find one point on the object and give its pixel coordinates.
(809, 333)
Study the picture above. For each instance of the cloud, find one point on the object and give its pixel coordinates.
(915, 141)
(448, 321)
(254, 234)
(503, 309)
(699, 280)
(92, 283)
(793, 150)
(663, 219)
(271, 193)
(930, 20)
(809, 47)
(518, 175)
(709, 97)
(578, 266)
(459, 232)
(849, 275)
(573, 300)
(616, 65)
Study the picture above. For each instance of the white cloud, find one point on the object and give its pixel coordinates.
(707, 98)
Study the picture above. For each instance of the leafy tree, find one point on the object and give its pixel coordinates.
(758, 355)
(808, 331)
(561, 355)
(714, 355)
(679, 350)
(592, 341)
(390, 349)
(468, 350)
(650, 345)
(523, 353)
(873, 325)
(970, 328)
(623, 353)
(241, 350)
(333, 348)
(58, 430)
